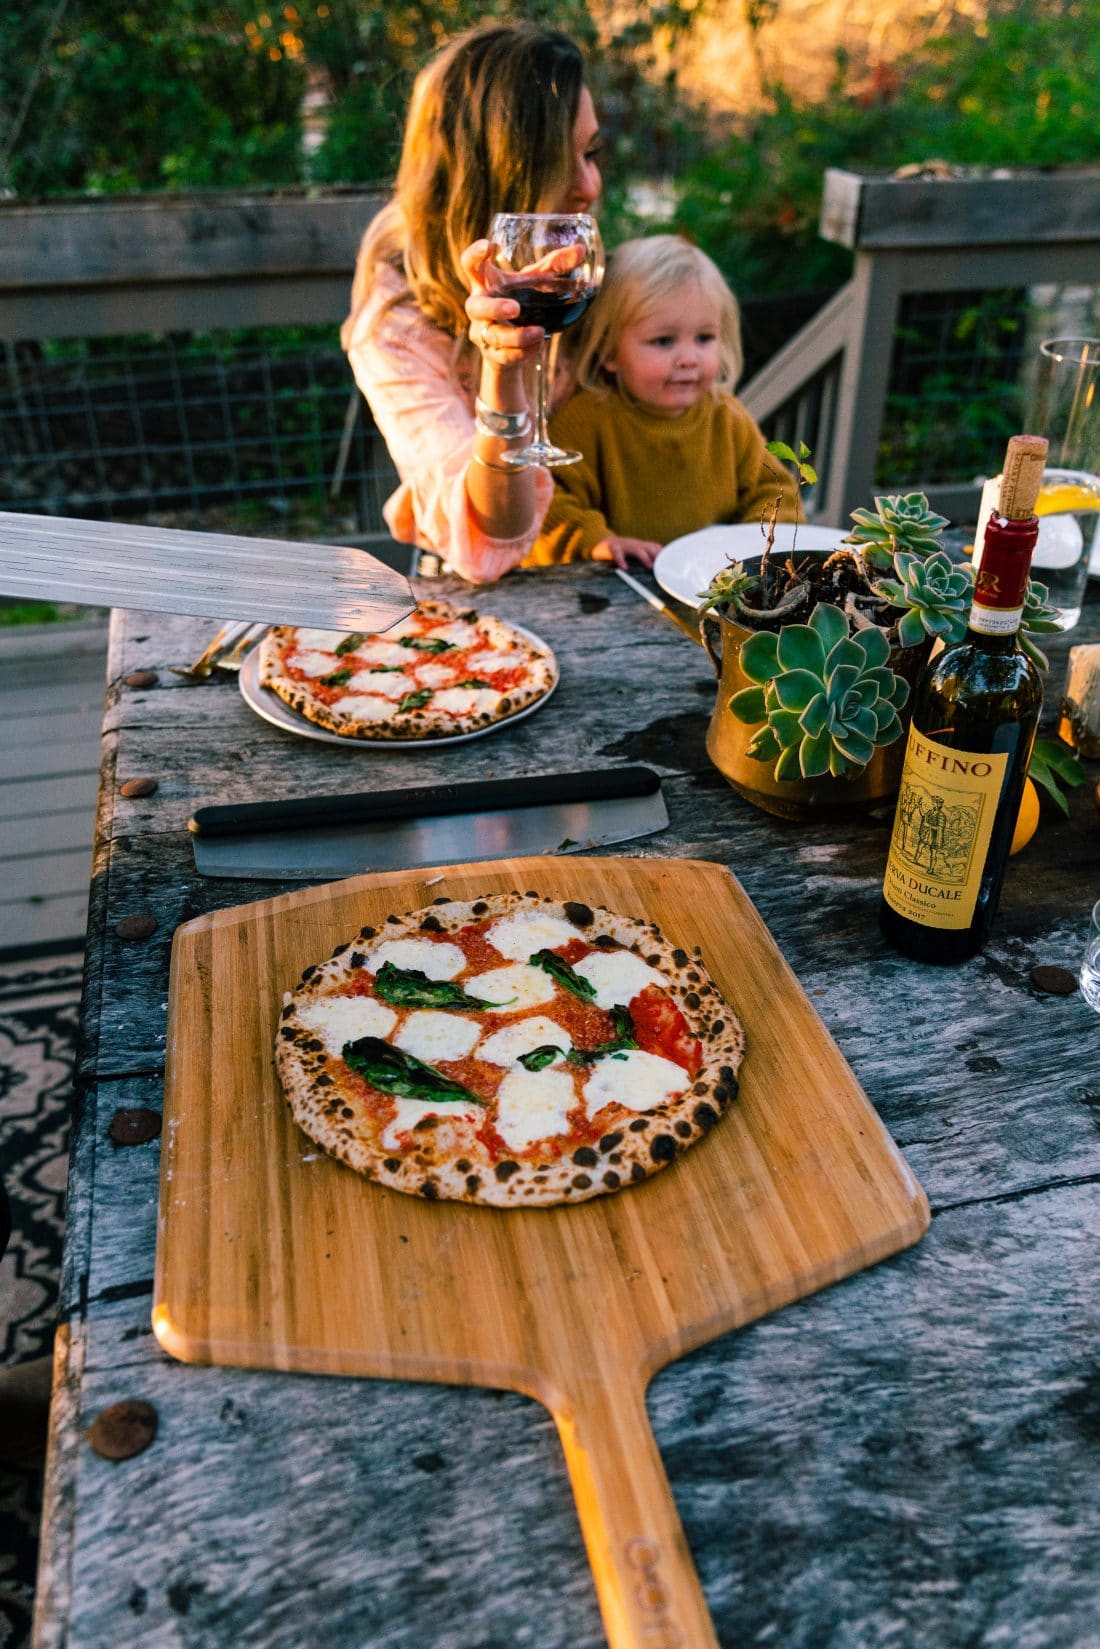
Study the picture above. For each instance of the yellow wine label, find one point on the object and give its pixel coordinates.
(946, 807)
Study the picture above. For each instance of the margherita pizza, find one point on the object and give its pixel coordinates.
(439, 673)
(508, 1050)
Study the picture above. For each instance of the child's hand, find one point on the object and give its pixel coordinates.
(622, 550)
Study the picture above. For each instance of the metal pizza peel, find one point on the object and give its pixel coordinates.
(204, 574)
(324, 838)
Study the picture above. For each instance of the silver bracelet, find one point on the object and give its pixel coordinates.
(505, 426)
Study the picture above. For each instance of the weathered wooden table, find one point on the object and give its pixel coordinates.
(910, 1458)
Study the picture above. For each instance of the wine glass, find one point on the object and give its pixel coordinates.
(551, 264)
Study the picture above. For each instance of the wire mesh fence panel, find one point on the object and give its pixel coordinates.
(257, 431)
(962, 377)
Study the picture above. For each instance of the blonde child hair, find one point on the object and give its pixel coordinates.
(489, 129)
(639, 274)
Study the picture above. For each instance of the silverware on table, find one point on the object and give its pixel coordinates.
(235, 657)
(229, 636)
(690, 630)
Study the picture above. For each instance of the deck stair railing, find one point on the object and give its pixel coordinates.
(1004, 258)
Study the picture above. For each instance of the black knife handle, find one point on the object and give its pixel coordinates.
(365, 806)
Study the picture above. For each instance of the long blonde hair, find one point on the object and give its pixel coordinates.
(489, 129)
(640, 273)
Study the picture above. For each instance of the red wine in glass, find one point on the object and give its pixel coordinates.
(551, 265)
(548, 306)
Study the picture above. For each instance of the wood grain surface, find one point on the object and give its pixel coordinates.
(272, 1255)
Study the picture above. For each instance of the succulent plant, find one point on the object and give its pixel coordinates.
(935, 594)
(726, 585)
(827, 699)
(1039, 618)
(901, 521)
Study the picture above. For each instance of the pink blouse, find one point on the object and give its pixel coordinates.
(404, 366)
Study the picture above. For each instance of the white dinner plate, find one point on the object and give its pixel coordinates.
(273, 709)
(685, 567)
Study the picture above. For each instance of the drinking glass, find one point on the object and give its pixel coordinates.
(1090, 966)
(1066, 409)
(551, 264)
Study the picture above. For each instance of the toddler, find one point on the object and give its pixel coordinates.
(666, 446)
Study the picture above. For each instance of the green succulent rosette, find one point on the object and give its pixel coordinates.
(826, 700)
(899, 521)
(935, 594)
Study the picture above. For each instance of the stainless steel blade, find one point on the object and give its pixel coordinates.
(348, 850)
(209, 575)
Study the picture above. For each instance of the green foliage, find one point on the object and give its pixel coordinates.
(1018, 90)
(1052, 765)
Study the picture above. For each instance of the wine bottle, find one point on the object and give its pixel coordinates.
(975, 711)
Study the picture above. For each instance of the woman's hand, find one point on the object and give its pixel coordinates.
(622, 550)
(501, 343)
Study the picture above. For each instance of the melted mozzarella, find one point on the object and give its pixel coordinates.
(430, 1035)
(363, 707)
(458, 633)
(434, 675)
(483, 663)
(513, 988)
(618, 975)
(533, 1105)
(466, 701)
(438, 961)
(316, 664)
(383, 651)
(412, 1111)
(636, 1080)
(505, 1047)
(326, 640)
(381, 683)
(519, 936)
(340, 1019)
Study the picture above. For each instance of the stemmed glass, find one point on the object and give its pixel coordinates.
(551, 264)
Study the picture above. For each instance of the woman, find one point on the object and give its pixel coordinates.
(501, 120)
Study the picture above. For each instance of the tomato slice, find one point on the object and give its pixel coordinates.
(660, 1028)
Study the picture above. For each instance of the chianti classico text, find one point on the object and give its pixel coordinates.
(975, 711)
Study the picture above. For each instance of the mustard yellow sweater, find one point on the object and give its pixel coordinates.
(653, 477)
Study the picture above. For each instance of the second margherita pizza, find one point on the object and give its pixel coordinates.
(442, 672)
(508, 1050)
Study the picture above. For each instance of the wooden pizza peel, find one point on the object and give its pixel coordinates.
(798, 1186)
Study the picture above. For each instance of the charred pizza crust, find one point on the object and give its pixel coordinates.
(441, 672)
(461, 1157)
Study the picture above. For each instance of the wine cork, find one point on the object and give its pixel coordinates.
(1023, 475)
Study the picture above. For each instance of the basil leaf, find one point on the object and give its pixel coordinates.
(474, 681)
(427, 644)
(560, 970)
(398, 1073)
(539, 1058)
(415, 701)
(622, 1041)
(386, 669)
(409, 988)
(350, 643)
(337, 678)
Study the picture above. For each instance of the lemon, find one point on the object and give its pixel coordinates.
(1027, 820)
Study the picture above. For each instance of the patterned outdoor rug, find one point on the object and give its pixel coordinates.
(39, 1001)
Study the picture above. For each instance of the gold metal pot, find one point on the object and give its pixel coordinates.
(805, 799)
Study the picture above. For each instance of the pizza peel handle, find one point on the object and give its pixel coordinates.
(649, 1592)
